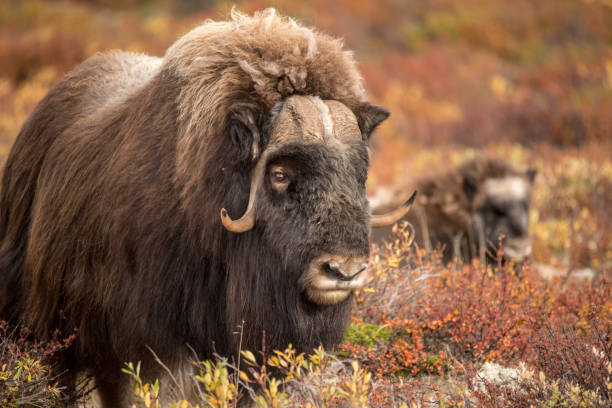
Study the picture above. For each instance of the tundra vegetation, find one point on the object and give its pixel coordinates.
(530, 82)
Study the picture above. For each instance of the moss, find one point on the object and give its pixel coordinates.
(366, 334)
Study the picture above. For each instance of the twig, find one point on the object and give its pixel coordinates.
(172, 377)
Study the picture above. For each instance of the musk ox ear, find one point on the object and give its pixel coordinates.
(531, 175)
(243, 128)
(369, 117)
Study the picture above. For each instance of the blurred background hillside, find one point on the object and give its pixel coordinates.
(529, 81)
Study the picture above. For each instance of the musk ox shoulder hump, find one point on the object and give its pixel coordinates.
(114, 76)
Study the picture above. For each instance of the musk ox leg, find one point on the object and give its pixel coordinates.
(11, 292)
(113, 392)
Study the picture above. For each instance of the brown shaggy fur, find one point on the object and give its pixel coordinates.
(261, 60)
(451, 208)
(109, 212)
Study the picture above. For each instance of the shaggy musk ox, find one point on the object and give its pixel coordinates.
(466, 209)
(164, 201)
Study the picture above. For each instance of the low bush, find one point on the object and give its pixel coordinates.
(27, 377)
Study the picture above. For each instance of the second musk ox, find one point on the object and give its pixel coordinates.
(164, 201)
(466, 210)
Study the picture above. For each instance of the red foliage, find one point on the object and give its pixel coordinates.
(439, 315)
(27, 376)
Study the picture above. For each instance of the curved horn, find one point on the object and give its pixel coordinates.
(247, 221)
(394, 216)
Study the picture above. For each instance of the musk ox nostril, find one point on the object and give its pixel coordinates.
(333, 270)
(360, 268)
(344, 272)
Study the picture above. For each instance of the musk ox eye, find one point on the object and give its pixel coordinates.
(279, 178)
(498, 211)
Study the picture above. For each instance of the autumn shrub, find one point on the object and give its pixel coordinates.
(567, 367)
(571, 204)
(495, 386)
(584, 360)
(27, 377)
(283, 379)
(430, 310)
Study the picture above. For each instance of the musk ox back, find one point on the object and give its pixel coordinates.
(466, 210)
(164, 201)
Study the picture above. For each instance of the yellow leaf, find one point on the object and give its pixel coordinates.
(273, 387)
(499, 86)
(248, 355)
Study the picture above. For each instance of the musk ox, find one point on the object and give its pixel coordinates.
(164, 201)
(465, 210)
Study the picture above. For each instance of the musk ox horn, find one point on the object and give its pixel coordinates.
(394, 216)
(247, 221)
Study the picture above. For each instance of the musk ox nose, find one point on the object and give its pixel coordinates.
(345, 271)
(330, 278)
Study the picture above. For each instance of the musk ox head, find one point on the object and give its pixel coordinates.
(307, 191)
(468, 209)
(500, 201)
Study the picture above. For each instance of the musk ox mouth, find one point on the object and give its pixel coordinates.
(331, 278)
(517, 249)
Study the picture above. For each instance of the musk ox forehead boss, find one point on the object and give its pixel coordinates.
(164, 201)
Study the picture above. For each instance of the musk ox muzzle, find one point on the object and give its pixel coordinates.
(331, 278)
